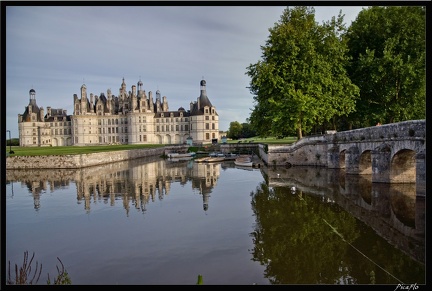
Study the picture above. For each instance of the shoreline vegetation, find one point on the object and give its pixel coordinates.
(77, 150)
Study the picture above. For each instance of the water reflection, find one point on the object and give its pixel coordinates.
(394, 211)
(135, 182)
(313, 225)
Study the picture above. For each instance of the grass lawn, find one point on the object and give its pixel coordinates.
(267, 140)
(75, 150)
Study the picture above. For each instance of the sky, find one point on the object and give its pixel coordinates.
(56, 49)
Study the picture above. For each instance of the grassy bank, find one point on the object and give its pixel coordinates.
(76, 150)
(267, 140)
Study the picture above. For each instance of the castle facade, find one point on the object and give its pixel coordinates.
(129, 118)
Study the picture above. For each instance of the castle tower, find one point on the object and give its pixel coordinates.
(32, 94)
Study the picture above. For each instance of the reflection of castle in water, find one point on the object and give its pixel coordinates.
(135, 182)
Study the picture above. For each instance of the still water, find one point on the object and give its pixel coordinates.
(153, 221)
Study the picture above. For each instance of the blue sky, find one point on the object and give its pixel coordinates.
(55, 49)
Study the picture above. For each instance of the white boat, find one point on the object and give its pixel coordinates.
(216, 154)
(180, 155)
(244, 161)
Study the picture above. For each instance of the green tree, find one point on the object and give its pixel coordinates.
(235, 130)
(388, 50)
(247, 130)
(301, 80)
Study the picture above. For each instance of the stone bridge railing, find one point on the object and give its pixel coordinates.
(392, 153)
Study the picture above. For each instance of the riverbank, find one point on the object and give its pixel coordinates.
(80, 160)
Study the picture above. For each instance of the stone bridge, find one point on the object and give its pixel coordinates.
(391, 153)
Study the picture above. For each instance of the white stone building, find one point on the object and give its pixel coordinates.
(129, 118)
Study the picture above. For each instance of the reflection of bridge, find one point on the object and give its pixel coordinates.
(393, 210)
(391, 153)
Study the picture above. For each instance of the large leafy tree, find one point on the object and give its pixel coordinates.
(388, 50)
(235, 130)
(301, 80)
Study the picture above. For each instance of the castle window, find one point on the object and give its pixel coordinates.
(213, 126)
(206, 111)
(207, 117)
(207, 135)
(207, 126)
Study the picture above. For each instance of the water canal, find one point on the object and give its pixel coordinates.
(157, 222)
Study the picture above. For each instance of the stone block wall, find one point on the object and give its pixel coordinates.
(78, 161)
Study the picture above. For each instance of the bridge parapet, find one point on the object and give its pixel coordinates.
(391, 153)
(412, 129)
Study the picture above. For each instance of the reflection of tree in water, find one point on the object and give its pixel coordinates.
(297, 239)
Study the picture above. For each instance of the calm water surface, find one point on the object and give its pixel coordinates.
(152, 221)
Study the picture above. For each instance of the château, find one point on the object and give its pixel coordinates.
(129, 118)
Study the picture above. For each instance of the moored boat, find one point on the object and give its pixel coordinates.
(180, 155)
(244, 161)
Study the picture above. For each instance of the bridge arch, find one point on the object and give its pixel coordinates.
(403, 167)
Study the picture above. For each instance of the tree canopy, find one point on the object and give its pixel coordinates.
(326, 75)
(301, 80)
(388, 50)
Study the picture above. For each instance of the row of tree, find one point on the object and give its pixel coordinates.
(314, 77)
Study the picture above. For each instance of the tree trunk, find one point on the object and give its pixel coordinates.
(299, 131)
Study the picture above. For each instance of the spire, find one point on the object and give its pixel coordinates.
(203, 99)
